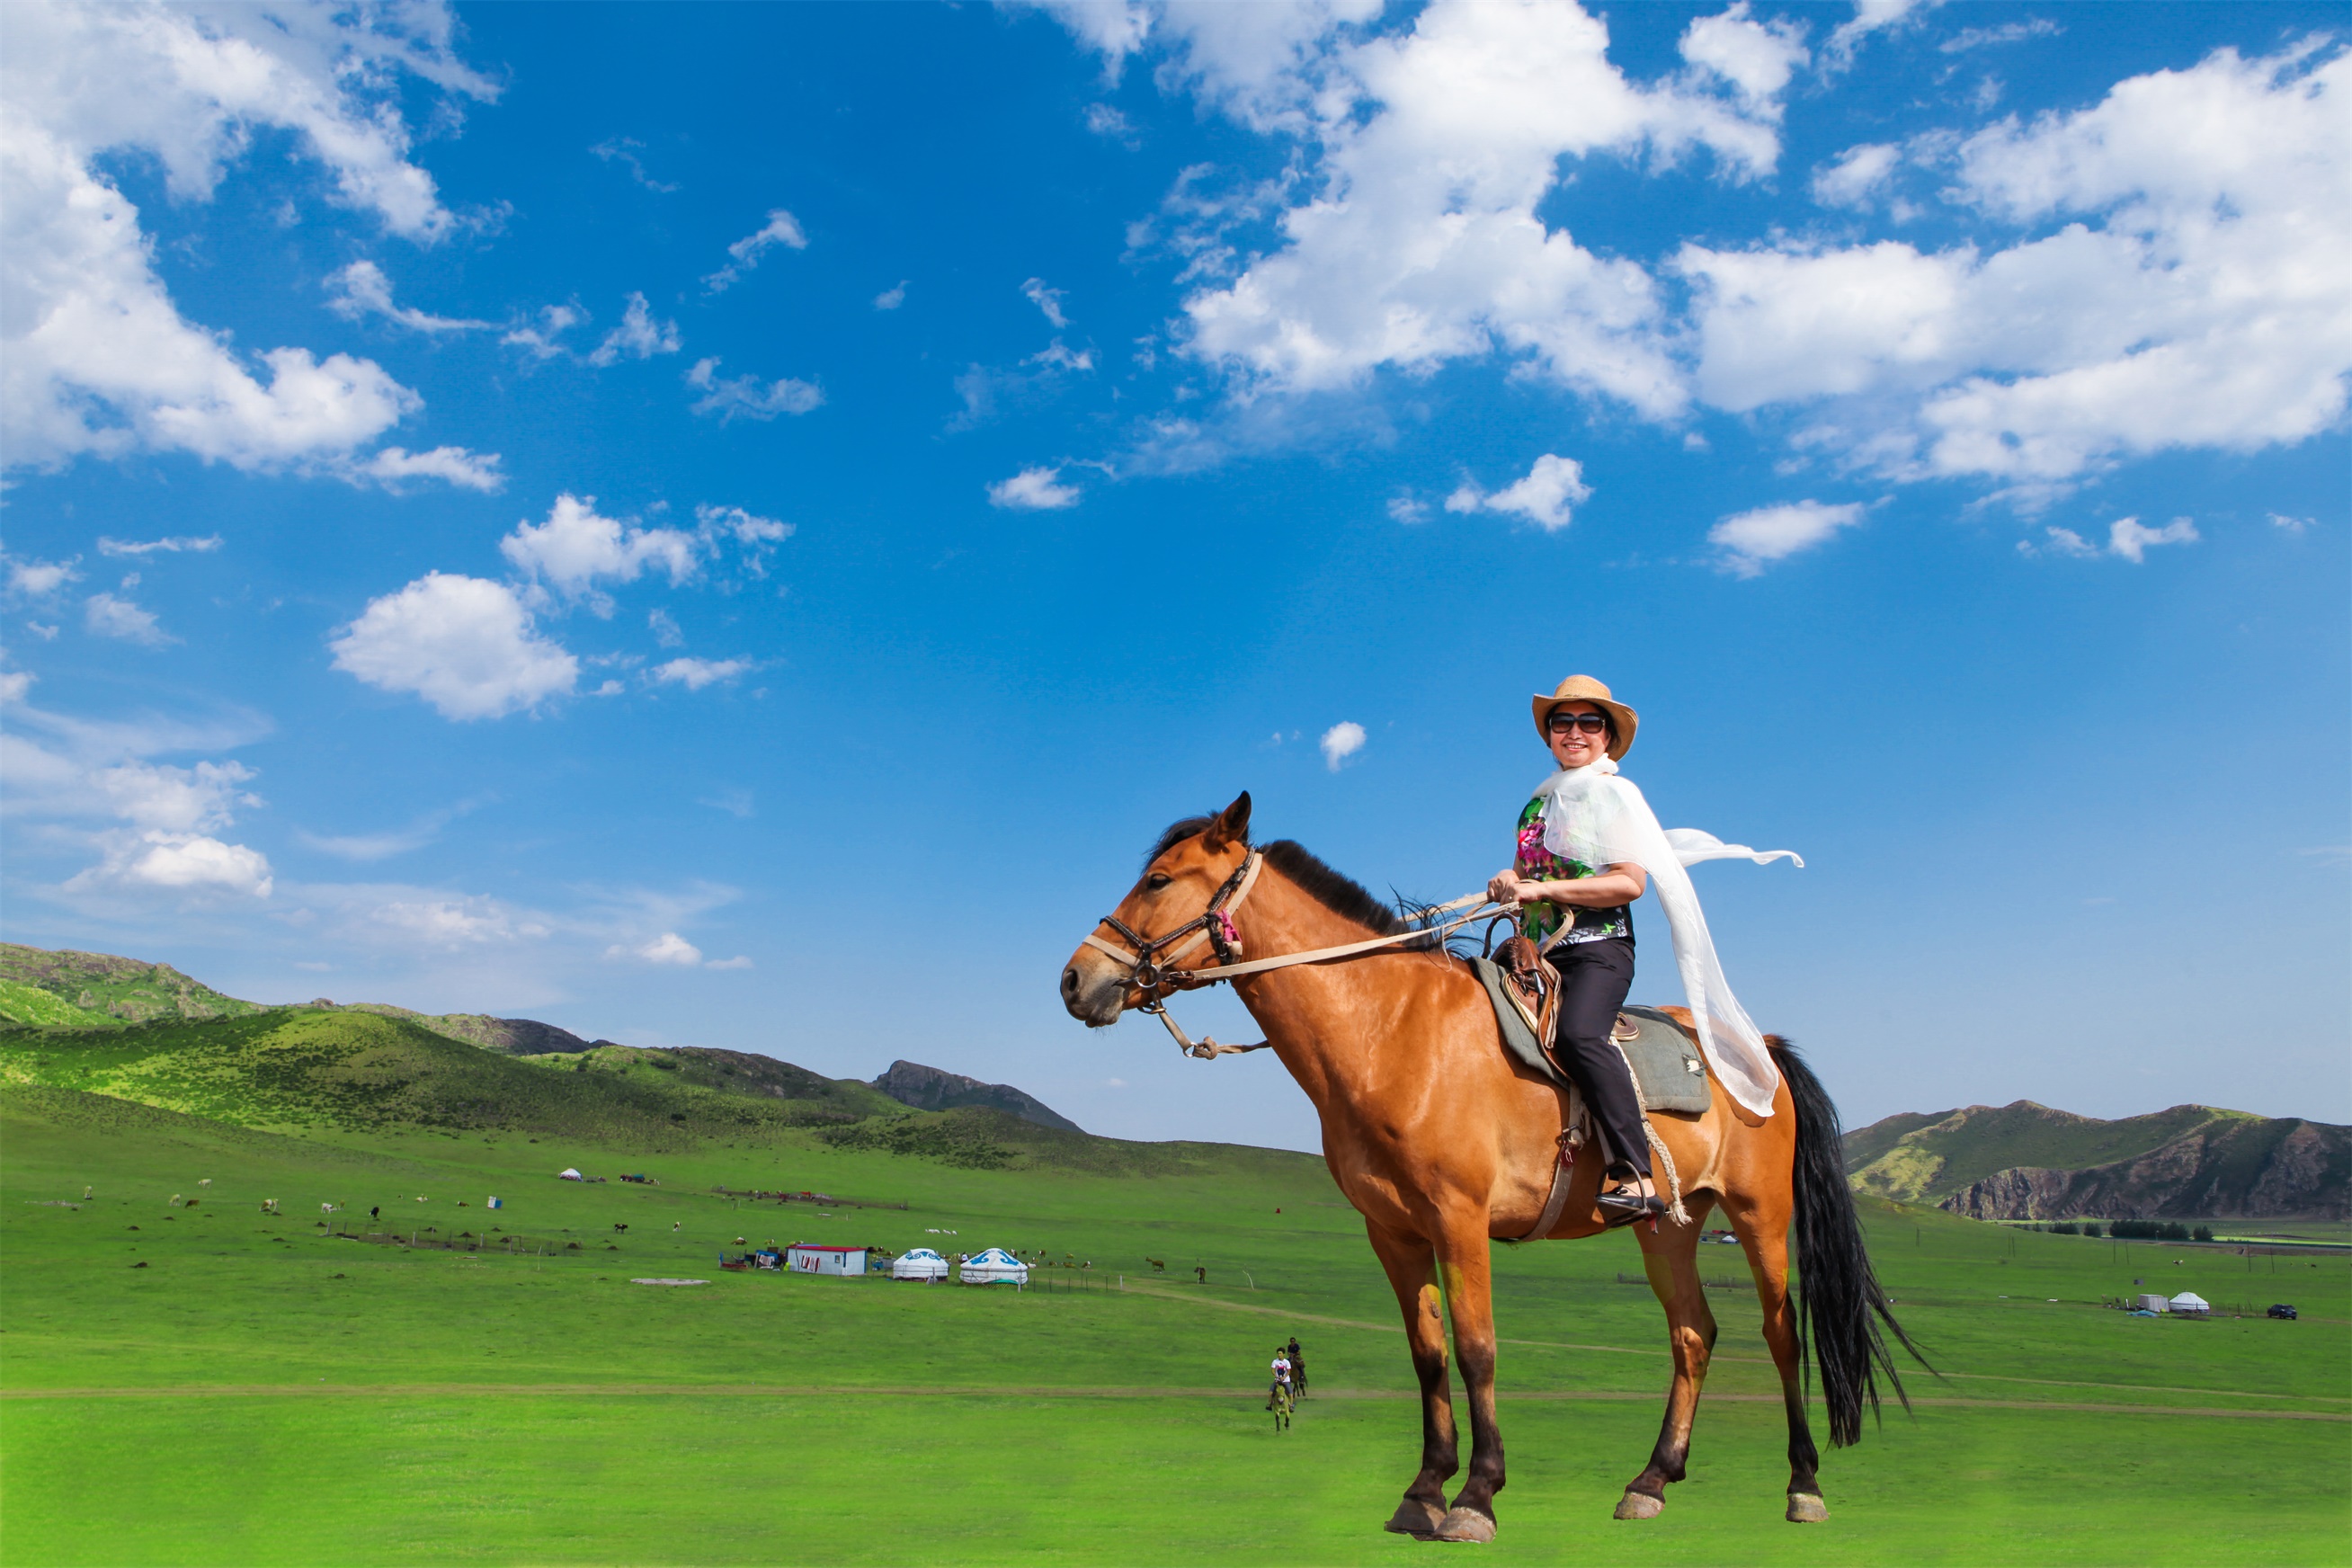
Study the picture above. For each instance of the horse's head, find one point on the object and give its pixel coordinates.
(1195, 859)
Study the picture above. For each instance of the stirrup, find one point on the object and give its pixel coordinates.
(1620, 1206)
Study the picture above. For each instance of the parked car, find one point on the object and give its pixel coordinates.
(2281, 1310)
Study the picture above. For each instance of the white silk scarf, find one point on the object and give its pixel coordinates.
(1592, 815)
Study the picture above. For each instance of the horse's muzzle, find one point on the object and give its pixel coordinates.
(1093, 990)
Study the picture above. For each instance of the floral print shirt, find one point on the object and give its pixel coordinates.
(1538, 921)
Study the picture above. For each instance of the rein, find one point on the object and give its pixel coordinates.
(1152, 969)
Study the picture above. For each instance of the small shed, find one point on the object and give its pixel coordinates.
(920, 1263)
(2188, 1303)
(994, 1267)
(807, 1257)
(2152, 1303)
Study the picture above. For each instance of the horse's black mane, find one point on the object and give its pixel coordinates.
(1334, 892)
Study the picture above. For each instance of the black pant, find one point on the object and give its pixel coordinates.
(1593, 979)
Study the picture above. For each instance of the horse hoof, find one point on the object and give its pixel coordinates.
(1465, 1524)
(1805, 1508)
(1640, 1505)
(1416, 1518)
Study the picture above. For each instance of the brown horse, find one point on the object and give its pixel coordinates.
(1444, 1143)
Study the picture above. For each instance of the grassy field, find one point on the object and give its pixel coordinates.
(262, 1392)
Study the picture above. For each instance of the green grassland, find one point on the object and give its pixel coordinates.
(265, 1390)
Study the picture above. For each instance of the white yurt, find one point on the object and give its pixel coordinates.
(921, 1263)
(995, 1267)
(2191, 1302)
(569, 1175)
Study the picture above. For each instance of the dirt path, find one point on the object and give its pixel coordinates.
(323, 1390)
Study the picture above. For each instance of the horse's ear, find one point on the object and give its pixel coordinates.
(1232, 826)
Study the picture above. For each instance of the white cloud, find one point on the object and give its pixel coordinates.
(453, 465)
(2290, 524)
(1869, 16)
(1547, 496)
(108, 617)
(1418, 240)
(1033, 490)
(664, 628)
(172, 546)
(1049, 300)
(891, 299)
(175, 800)
(363, 290)
(781, 228)
(668, 948)
(1056, 356)
(1751, 540)
(745, 395)
(2060, 541)
(541, 342)
(2128, 538)
(15, 684)
(1856, 175)
(39, 579)
(95, 358)
(738, 961)
(638, 336)
(575, 547)
(2191, 293)
(191, 863)
(1104, 121)
(449, 923)
(624, 150)
(694, 674)
(1756, 58)
(1340, 741)
(2008, 33)
(1405, 508)
(466, 645)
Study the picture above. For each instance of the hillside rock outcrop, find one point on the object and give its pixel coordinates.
(2024, 1161)
(933, 1088)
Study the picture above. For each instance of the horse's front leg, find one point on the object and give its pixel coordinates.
(1462, 1254)
(1409, 1266)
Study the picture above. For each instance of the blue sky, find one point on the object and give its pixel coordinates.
(735, 525)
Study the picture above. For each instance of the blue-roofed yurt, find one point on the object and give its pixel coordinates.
(994, 1267)
(920, 1263)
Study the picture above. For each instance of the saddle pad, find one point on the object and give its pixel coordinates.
(1667, 1063)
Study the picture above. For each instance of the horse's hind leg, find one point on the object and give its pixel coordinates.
(1763, 1233)
(1412, 1274)
(1670, 1259)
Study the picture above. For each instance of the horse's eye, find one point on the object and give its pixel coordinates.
(1157, 880)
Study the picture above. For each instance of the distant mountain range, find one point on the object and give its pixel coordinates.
(931, 1088)
(97, 1024)
(2024, 1161)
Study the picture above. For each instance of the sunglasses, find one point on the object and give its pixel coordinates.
(1591, 723)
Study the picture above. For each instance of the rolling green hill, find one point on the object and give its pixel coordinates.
(103, 987)
(355, 1071)
(2025, 1161)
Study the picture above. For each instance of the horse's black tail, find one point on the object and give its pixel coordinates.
(1841, 1302)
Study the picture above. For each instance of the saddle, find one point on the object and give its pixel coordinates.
(1668, 1070)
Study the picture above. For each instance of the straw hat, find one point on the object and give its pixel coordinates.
(1584, 688)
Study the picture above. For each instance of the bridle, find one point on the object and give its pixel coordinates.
(1151, 967)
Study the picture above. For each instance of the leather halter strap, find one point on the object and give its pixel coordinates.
(1149, 968)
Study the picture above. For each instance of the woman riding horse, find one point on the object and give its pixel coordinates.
(1580, 918)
